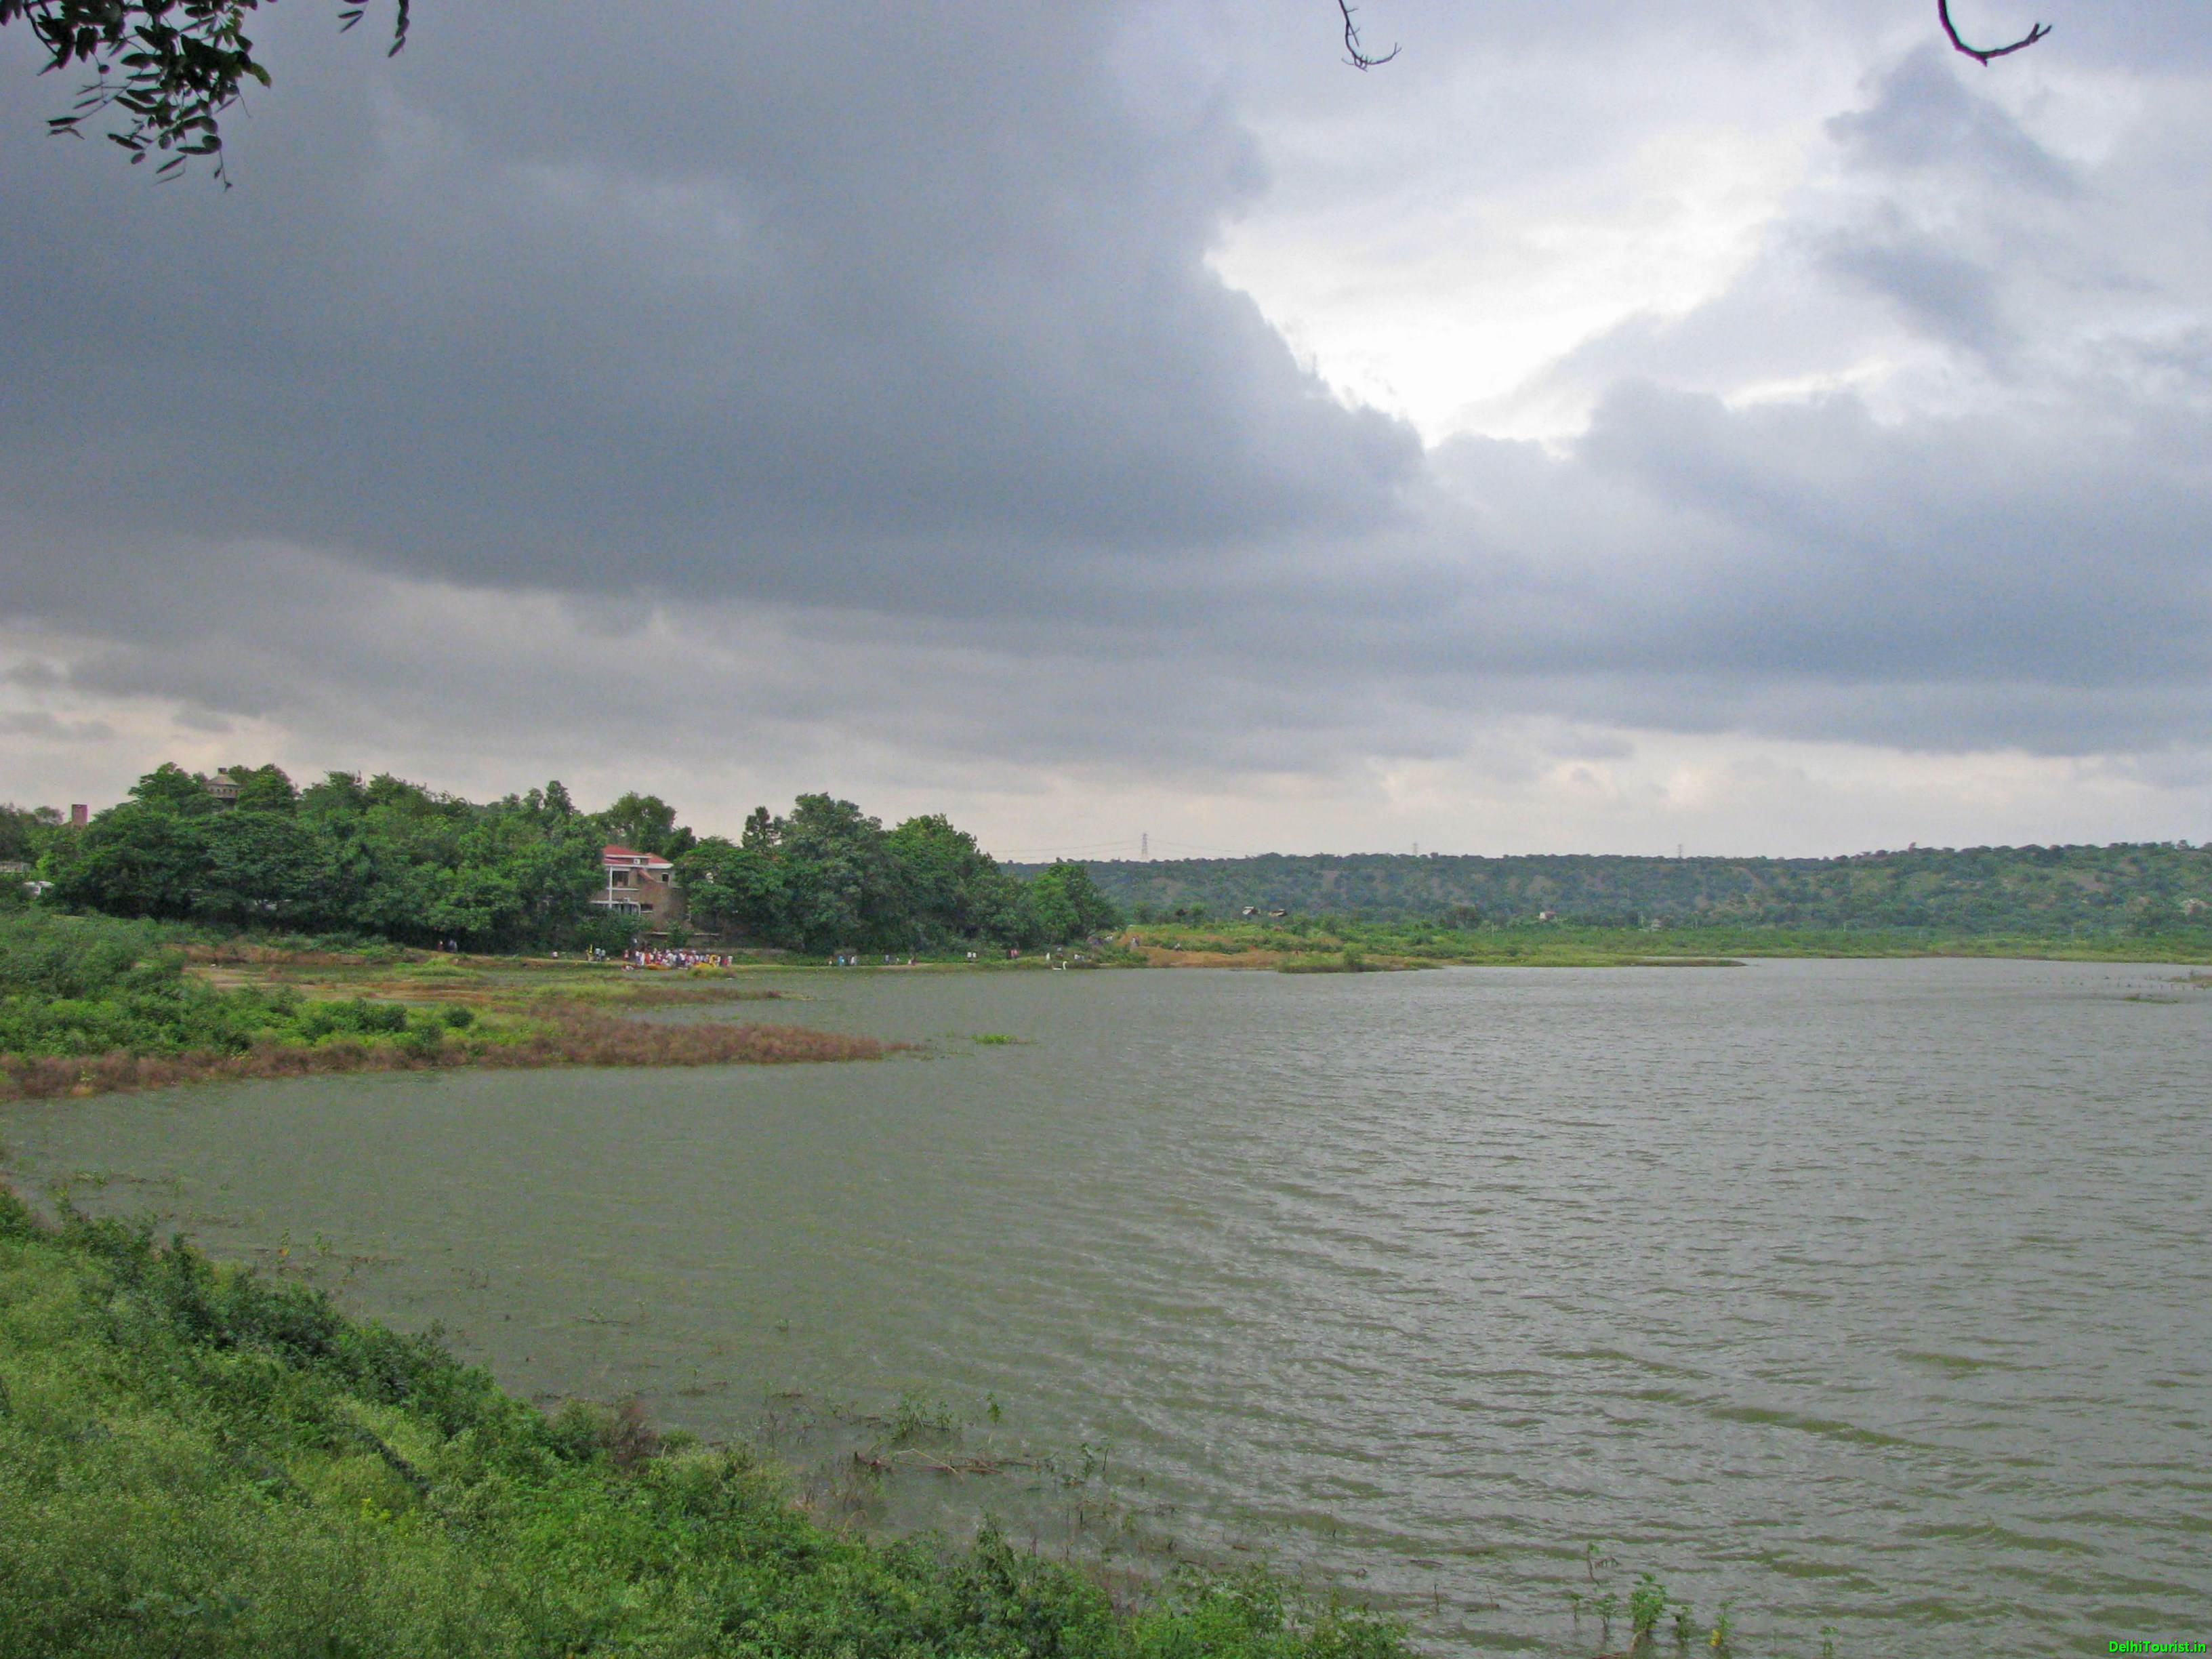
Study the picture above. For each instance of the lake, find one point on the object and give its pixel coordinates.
(1874, 1295)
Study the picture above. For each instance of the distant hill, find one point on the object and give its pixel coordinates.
(2150, 886)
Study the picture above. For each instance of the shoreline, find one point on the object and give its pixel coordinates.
(240, 1011)
(1255, 955)
(304, 1010)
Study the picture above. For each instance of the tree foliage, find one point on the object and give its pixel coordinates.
(644, 824)
(389, 859)
(2040, 892)
(731, 887)
(170, 69)
(1066, 902)
(829, 877)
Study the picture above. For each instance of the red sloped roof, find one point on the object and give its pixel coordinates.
(610, 851)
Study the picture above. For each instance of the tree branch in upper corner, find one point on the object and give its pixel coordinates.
(1356, 53)
(1983, 55)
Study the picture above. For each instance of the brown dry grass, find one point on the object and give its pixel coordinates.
(1160, 956)
(486, 990)
(660, 993)
(242, 952)
(570, 1037)
(584, 996)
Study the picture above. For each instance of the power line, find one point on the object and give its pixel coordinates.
(1060, 847)
(1142, 843)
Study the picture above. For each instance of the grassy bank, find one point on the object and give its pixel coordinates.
(194, 1462)
(1305, 946)
(90, 1003)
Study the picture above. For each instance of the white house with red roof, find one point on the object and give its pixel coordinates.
(639, 884)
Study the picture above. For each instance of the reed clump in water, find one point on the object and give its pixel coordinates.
(572, 1036)
(569, 1038)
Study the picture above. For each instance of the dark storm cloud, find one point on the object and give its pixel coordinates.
(790, 375)
(1811, 544)
(1933, 257)
(1949, 295)
(779, 316)
(1923, 117)
(42, 727)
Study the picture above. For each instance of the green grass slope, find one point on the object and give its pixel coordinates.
(196, 1462)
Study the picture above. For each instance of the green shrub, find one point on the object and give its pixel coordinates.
(92, 985)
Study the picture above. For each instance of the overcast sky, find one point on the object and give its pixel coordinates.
(1735, 423)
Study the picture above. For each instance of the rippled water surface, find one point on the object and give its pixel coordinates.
(1876, 1294)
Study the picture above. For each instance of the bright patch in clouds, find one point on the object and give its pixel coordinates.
(1439, 299)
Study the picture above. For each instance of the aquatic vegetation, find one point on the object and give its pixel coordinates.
(1722, 1641)
(1607, 1606)
(1647, 1605)
(917, 1415)
(1686, 1626)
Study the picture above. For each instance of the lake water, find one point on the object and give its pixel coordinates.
(1874, 1295)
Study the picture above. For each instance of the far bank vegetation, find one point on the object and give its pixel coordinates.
(385, 860)
(89, 1005)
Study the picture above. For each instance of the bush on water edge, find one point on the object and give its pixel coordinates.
(196, 1462)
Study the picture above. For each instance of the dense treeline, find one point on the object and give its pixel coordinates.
(2029, 890)
(387, 858)
(25, 830)
(828, 875)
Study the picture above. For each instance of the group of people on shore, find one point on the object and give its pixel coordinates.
(638, 957)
